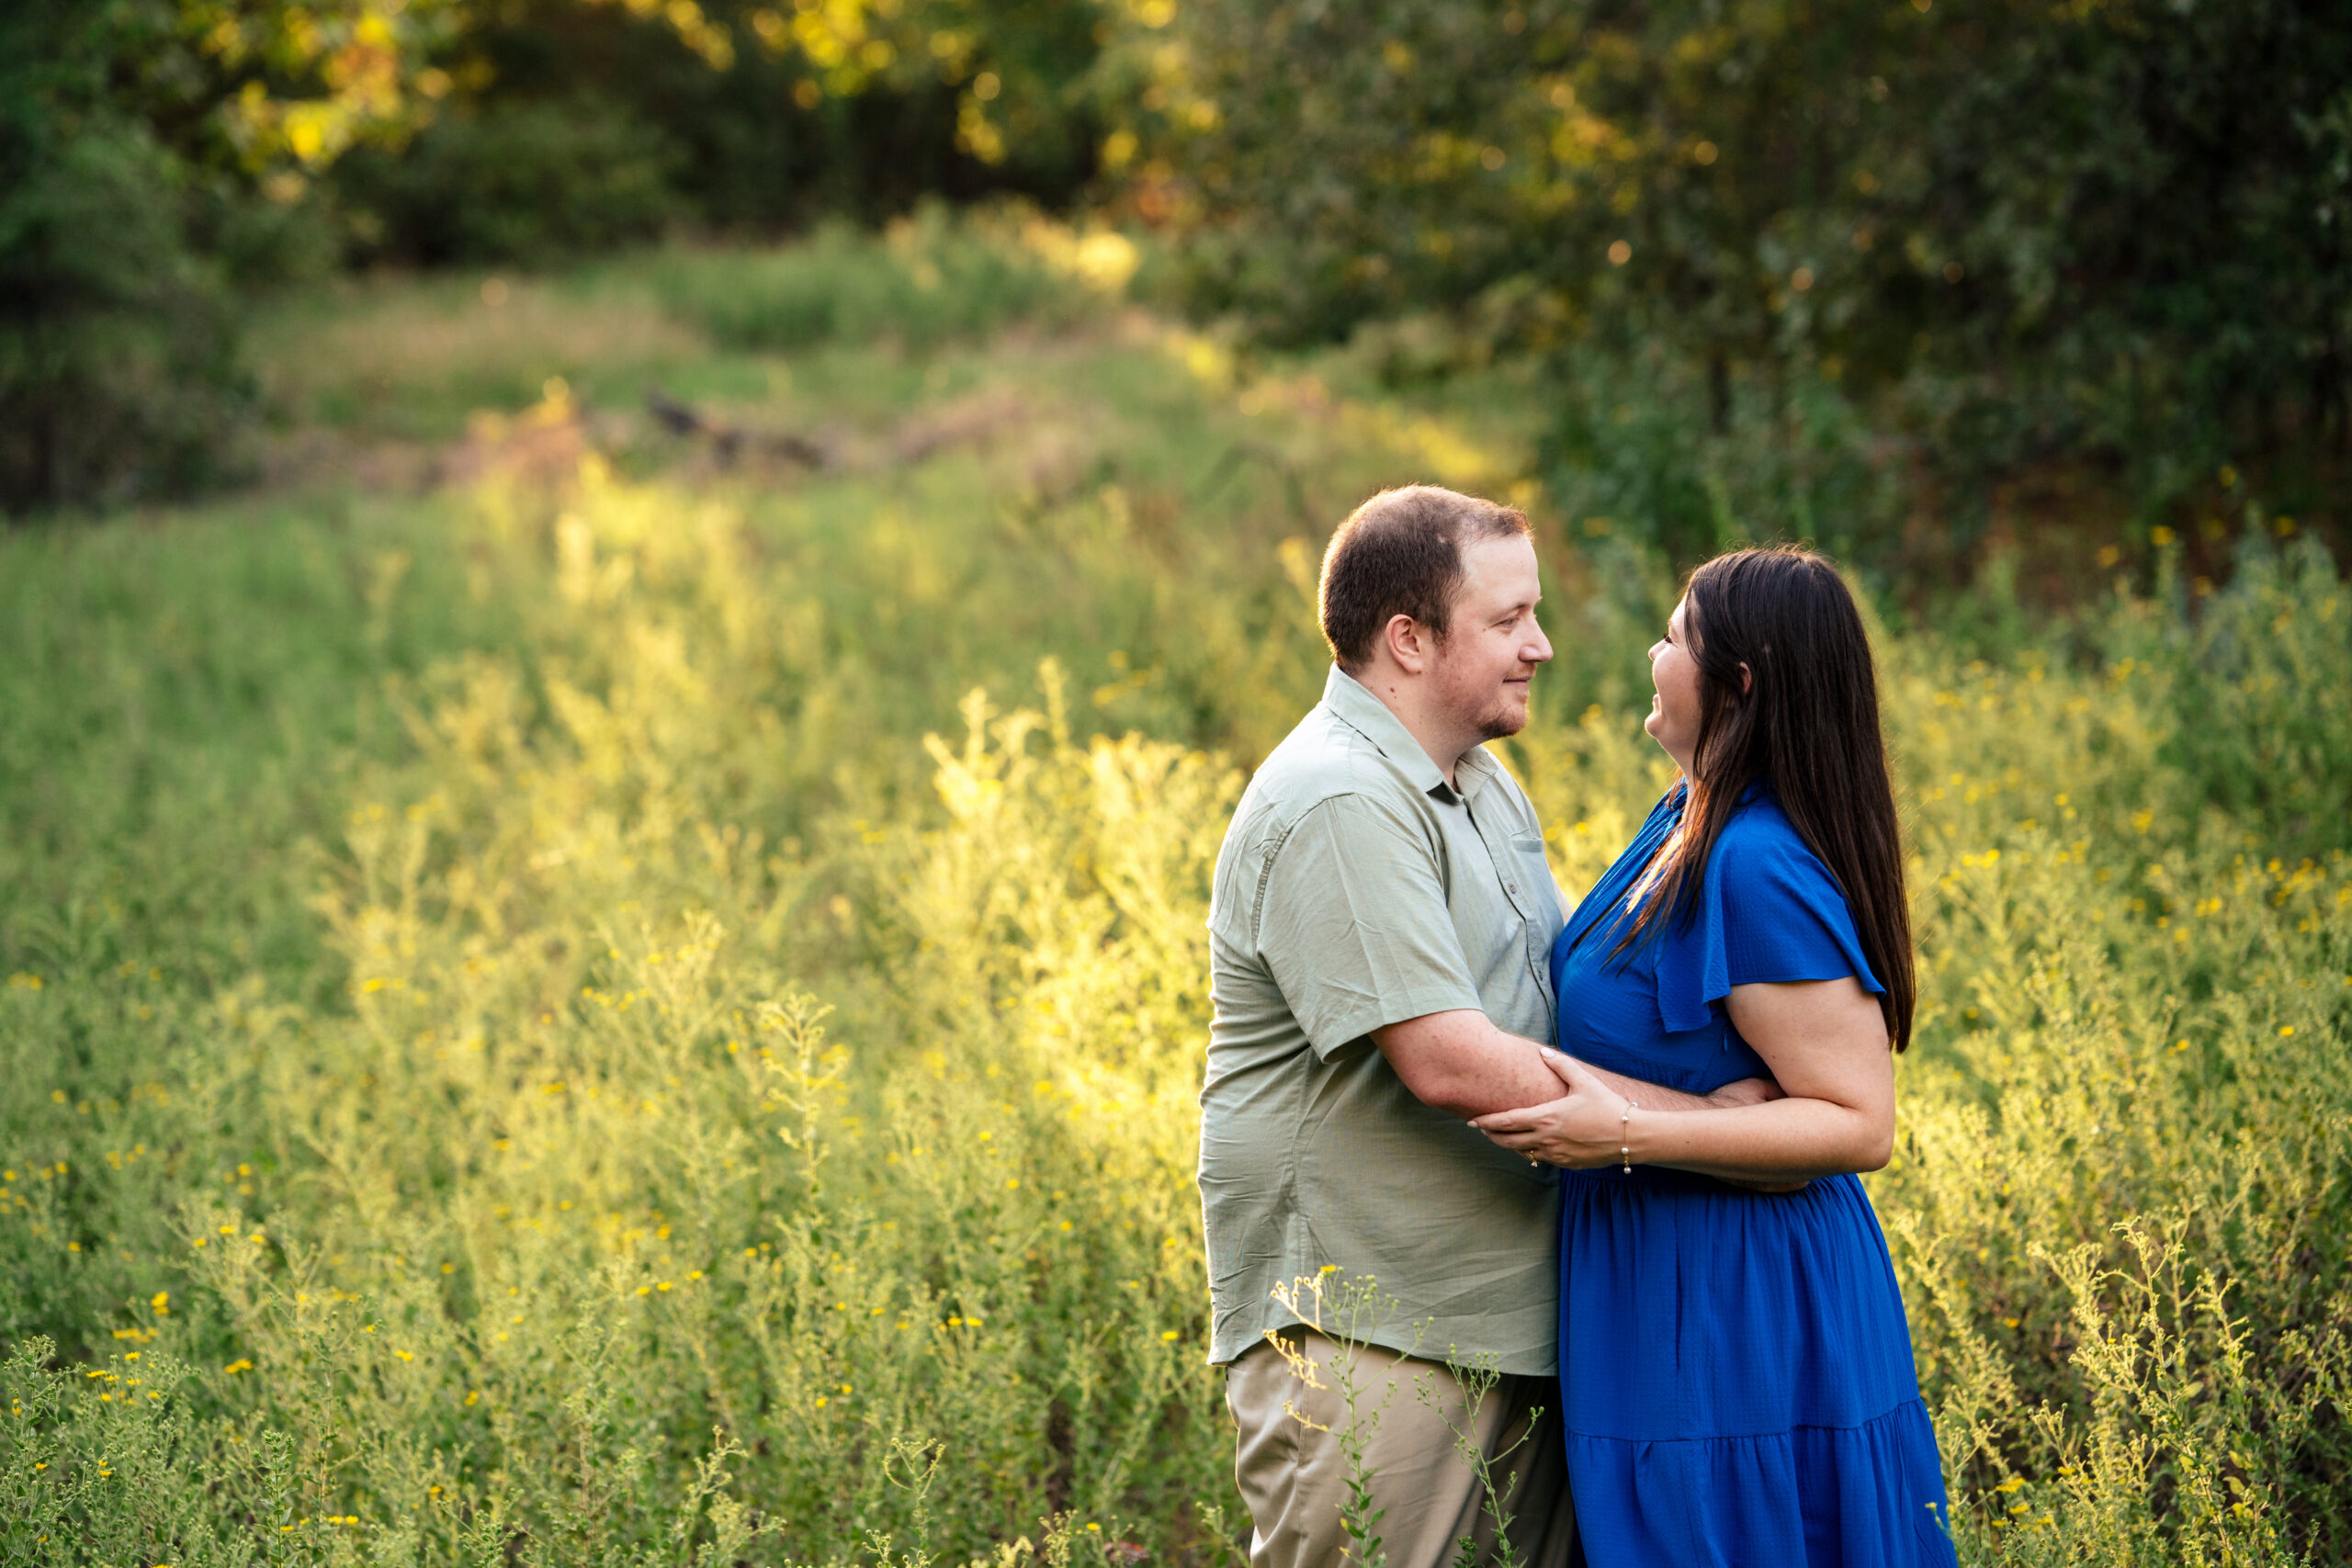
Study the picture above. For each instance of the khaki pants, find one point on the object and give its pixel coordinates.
(1294, 1477)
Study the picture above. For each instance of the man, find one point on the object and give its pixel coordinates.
(1380, 929)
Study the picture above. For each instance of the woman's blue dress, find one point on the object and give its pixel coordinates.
(1735, 1373)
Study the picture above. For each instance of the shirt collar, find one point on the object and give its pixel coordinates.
(1365, 713)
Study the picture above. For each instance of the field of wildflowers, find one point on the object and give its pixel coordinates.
(603, 1018)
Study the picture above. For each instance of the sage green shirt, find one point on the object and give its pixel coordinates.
(1356, 889)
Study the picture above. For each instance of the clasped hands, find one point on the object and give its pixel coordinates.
(1585, 1129)
(1582, 1130)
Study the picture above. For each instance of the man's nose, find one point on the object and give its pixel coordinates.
(1540, 650)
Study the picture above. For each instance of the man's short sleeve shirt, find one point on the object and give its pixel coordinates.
(1355, 889)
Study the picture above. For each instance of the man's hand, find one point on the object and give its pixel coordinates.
(1746, 1091)
(1657, 1097)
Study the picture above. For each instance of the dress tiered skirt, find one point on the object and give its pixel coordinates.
(1736, 1380)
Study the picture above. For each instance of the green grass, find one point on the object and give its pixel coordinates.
(418, 915)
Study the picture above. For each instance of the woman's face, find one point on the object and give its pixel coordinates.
(1673, 722)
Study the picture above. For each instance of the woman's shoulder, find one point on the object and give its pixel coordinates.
(1759, 830)
(1761, 853)
(1776, 906)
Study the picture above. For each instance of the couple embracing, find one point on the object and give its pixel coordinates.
(1609, 1157)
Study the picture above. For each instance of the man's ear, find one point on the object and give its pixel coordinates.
(1409, 643)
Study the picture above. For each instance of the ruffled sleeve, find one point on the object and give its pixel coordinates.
(1767, 910)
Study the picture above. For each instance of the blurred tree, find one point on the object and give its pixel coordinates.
(511, 178)
(116, 371)
(156, 154)
(149, 151)
(2106, 230)
(763, 116)
(109, 327)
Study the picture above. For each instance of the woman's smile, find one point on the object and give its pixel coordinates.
(1673, 720)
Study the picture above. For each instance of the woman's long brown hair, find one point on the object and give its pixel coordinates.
(1807, 724)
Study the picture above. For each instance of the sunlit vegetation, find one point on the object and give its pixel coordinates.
(638, 1006)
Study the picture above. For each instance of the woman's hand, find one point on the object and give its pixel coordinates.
(1586, 1128)
(1824, 1042)
(1582, 1130)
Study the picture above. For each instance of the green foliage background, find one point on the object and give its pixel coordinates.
(1903, 249)
(428, 1140)
(1904, 278)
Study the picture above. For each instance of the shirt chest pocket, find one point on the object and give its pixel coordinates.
(1528, 880)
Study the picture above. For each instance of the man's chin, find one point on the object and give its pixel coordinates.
(1504, 722)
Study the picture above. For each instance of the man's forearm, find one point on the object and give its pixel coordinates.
(1649, 1095)
(1461, 1062)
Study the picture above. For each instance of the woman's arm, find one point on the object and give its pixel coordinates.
(1827, 1044)
(1462, 1062)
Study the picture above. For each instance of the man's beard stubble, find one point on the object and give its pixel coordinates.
(1500, 723)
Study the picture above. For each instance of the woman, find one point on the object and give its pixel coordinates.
(1735, 1373)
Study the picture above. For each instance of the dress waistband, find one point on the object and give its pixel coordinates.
(1663, 1178)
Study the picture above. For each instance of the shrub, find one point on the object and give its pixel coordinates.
(512, 181)
(119, 370)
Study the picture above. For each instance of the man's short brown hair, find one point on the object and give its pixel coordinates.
(1400, 553)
